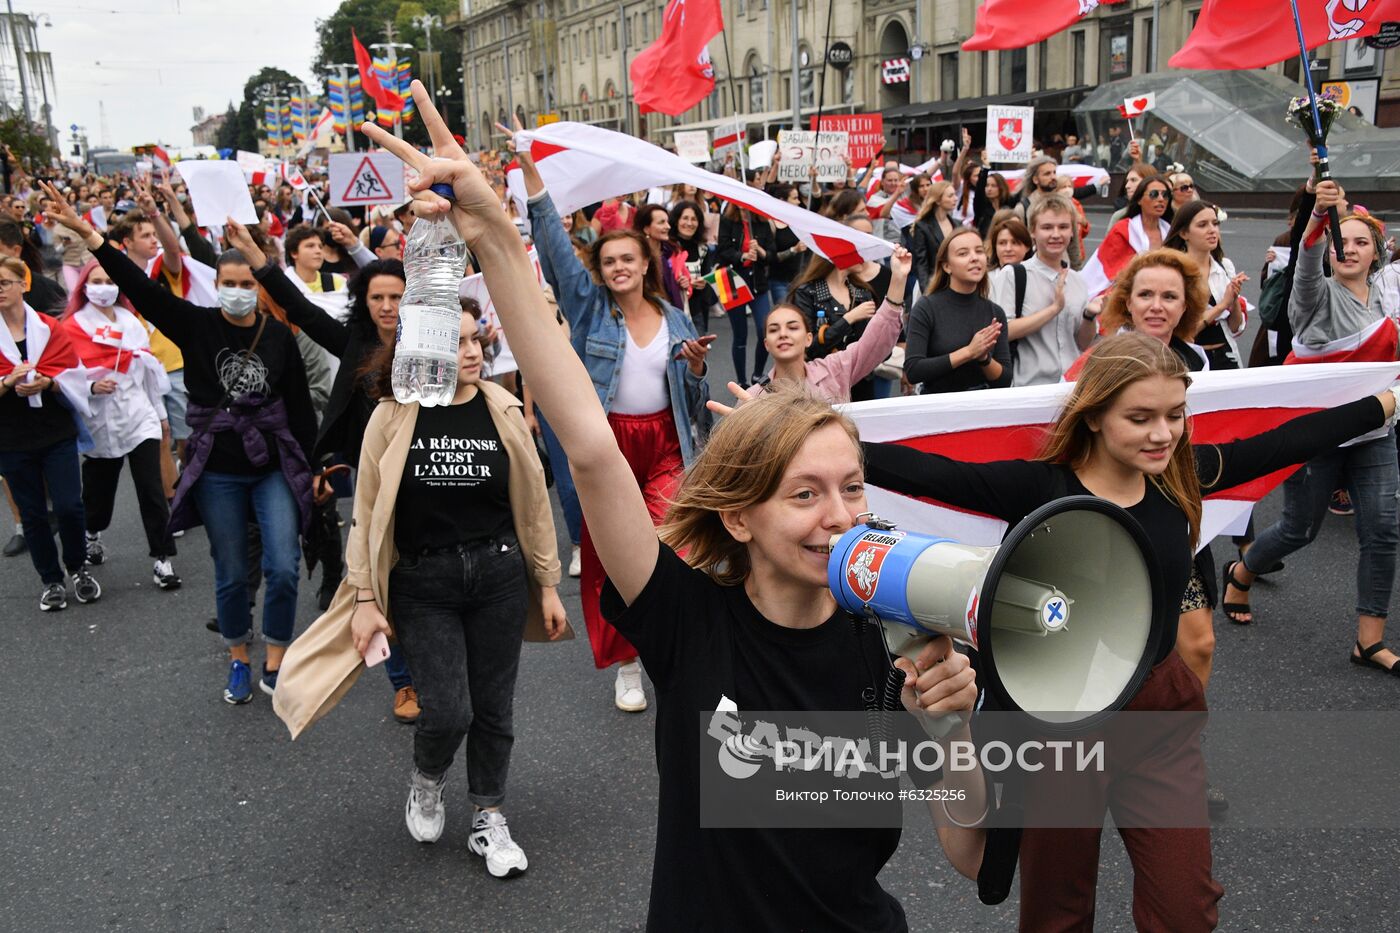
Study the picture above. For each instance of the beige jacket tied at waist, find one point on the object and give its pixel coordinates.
(322, 664)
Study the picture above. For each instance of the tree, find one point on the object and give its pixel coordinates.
(227, 137)
(250, 112)
(31, 148)
(369, 19)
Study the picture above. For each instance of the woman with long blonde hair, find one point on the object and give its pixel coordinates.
(744, 621)
(931, 227)
(1124, 435)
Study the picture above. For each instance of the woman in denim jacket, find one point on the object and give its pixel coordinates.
(648, 367)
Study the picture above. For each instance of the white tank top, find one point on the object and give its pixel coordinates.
(641, 385)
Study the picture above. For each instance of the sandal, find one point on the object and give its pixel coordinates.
(1227, 579)
(1363, 659)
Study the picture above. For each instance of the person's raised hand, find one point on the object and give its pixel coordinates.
(145, 200)
(740, 394)
(240, 239)
(1232, 291)
(341, 234)
(476, 211)
(64, 213)
(1329, 195)
(901, 262)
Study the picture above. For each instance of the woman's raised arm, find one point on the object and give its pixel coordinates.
(617, 516)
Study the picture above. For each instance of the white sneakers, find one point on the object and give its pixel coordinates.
(423, 813)
(576, 563)
(491, 840)
(490, 836)
(627, 689)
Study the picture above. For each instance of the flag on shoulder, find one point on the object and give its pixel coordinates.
(730, 286)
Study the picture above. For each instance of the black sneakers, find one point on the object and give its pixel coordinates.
(55, 598)
(85, 588)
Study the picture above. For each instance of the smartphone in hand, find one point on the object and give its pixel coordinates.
(378, 650)
(704, 341)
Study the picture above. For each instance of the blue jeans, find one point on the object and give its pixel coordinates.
(1369, 471)
(54, 467)
(777, 292)
(563, 479)
(459, 616)
(226, 501)
(738, 350)
(396, 667)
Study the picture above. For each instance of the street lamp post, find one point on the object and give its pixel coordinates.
(428, 22)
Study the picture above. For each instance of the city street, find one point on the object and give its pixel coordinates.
(135, 799)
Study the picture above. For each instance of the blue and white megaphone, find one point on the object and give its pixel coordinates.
(1066, 613)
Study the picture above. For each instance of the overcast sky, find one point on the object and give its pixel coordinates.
(151, 62)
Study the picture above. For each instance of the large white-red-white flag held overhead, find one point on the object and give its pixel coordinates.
(1015, 24)
(1010, 424)
(582, 164)
(1256, 33)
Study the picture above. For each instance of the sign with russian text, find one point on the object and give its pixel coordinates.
(802, 149)
(1009, 133)
(865, 133)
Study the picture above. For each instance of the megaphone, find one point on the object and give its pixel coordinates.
(1065, 613)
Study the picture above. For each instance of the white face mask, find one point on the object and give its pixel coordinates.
(237, 302)
(104, 296)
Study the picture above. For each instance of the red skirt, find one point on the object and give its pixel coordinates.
(652, 448)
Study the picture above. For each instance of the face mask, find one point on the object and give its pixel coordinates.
(237, 302)
(104, 296)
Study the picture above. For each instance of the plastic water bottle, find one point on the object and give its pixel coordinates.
(430, 313)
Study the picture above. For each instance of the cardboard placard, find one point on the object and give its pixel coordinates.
(693, 145)
(801, 149)
(1009, 134)
(359, 178)
(865, 133)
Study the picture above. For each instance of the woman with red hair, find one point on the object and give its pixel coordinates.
(126, 385)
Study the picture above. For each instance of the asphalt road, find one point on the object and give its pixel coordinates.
(135, 799)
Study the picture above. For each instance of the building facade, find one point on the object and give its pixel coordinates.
(568, 59)
(207, 129)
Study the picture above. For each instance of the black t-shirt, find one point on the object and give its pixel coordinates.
(215, 371)
(24, 427)
(700, 642)
(456, 481)
(1012, 489)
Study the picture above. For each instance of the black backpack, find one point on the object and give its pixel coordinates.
(1018, 272)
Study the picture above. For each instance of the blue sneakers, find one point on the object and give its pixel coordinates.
(268, 683)
(240, 683)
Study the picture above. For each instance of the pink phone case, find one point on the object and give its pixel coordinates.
(377, 651)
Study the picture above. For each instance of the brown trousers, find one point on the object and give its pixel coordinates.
(1173, 889)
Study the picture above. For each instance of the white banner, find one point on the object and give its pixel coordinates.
(1009, 134)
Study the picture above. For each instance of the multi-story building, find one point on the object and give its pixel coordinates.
(206, 129)
(26, 73)
(569, 58)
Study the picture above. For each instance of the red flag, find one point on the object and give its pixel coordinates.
(161, 156)
(674, 73)
(1008, 24)
(1255, 33)
(385, 101)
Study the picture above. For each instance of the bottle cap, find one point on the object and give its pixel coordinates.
(443, 189)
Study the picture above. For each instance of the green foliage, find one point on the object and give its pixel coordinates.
(369, 19)
(227, 137)
(29, 147)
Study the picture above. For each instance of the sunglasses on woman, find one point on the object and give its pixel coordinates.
(1155, 194)
(1186, 186)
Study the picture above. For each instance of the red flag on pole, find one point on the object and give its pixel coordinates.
(1255, 33)
(1009, 24)
(385, 101)
(674, 73)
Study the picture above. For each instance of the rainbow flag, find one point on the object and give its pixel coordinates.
(730, 286)
(346, 100)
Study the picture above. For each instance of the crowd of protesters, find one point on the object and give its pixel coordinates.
(241, 373)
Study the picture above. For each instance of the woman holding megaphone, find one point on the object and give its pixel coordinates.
(745, 619)
(1124, 435)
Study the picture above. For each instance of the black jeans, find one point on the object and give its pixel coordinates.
(100, 476)
(30, 473)
(459, 616)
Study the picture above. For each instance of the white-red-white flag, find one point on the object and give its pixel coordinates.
(1010, 424)
(582, 164)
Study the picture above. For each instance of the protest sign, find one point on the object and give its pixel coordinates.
(693, 145)
(1009, 134)
(801, 149)
(366, 178)
(865, 133)
(251, 161)
(218, 191)
(761, 153)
